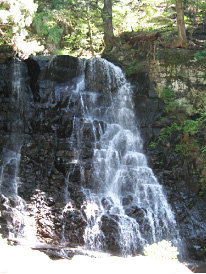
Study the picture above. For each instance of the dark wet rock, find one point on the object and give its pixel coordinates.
(135, 212)
(107, 203)
(6, 53)
(56, 155)
(48, 157)
(110, 228)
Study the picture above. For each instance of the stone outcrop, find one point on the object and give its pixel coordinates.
(49, 173)
(176, 69)
(6, 53)
(46, 172)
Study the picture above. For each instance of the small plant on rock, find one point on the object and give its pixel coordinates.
(162, 250)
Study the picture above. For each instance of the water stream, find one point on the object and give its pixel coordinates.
(18, 221)
(126, 207)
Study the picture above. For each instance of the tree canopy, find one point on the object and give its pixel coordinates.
(84, 27)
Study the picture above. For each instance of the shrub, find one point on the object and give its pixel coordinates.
(162, 250)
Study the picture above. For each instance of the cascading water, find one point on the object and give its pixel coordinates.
(125, 205)
(17, 221)
(11, 158)
(93, 177)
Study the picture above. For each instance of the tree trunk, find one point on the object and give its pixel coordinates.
(107, 22)
(195, 12)
(181, 40)
(90, 31)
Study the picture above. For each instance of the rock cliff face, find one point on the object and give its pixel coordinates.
(6, 52)
(41, 137)
(47, 155)
(178, 70)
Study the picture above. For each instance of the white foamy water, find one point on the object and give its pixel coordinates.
(125, 203)
(20, 225)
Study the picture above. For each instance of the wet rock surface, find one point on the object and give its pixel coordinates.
(49, 171)
(48, 168)
(180, 184)
(6, 53)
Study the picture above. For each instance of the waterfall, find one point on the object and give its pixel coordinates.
(17, 220)
(11, 155)
(125, 206)
(86, 179)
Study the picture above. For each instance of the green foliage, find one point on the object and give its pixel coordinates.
(190, 124)
(135, 67)
(77, 25)
(82, 22)
(73, 42)
(185, 148)
(162, 251)
(153, 144)
(167, 131)
(202, 186)
(203, 149)
(168, 96)
(201, 57)
(46, 26)
(15, 19)
(139, 15)
(183, 126)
